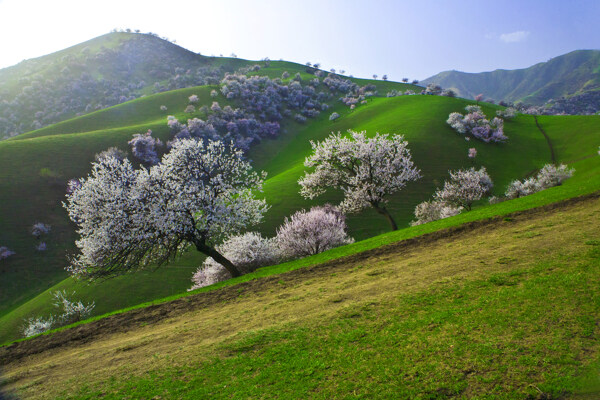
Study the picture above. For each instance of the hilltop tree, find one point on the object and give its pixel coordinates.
(384, 77)
(128, 219)
(367, 170)
(405, 80)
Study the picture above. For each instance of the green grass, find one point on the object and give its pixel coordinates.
(29, 276)
(475, 315)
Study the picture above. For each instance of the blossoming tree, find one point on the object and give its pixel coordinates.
(465, 187)
(128, 219)
(367, 170)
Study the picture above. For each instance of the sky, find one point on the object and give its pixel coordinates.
(412, 39)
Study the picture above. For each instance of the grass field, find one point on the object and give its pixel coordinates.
(43, 160)
(505, 309)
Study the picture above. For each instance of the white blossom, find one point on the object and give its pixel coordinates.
(35, 326)
(247, 252)
(551, 175)
(39, 228)
(367, 170)
(428, 211)
(465, 187)
(129, 218)
(312, 232)
(517, 188)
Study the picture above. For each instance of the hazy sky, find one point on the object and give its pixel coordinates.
(413, 39)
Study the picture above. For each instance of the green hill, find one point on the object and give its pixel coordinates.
(36, 166)
(572, 73)
(101, 72)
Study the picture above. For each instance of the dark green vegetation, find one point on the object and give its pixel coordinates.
(505, 310)
(569, 74)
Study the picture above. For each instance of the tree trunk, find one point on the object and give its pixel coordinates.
(383, 211)
(218, 257)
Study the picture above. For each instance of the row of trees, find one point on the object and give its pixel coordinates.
(204, 191)
(303, 234)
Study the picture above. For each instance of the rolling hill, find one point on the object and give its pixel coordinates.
(569, 74)
(435, 147)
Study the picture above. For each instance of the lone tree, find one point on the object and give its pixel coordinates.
(366, 169)
(128, 219)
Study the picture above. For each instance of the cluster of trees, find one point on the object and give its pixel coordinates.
(203, 194)
(71, 313)
(587, 103)
(549, 176)
(468, 186)
(475, 124)
(459, 193)
(44, 102)
(303, 234)
(264, 102)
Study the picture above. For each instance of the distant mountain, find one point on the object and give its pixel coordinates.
(96, 74)
(573, 73)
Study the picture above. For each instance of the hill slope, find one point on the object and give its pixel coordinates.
(569, 74)
(101, 72)
(47, 166)
(441, 316)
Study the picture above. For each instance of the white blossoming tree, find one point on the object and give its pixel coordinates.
(248, 252)
(465, 187)
(428, 211)
(367, 170)
(128, 219)
(311, 232)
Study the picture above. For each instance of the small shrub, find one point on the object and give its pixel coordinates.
(247, 252)
(71, 313)
(465, 187)
(35, 326)
(312, 232)
(5, 252)
(428, 211)
(39, 228)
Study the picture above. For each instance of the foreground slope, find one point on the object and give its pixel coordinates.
(502, 308)
(572, 73)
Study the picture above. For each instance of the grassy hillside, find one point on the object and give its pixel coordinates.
(435, 147)
(504, 309)
(37, 165)
(572, 73)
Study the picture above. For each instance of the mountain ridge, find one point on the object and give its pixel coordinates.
(569, 74)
